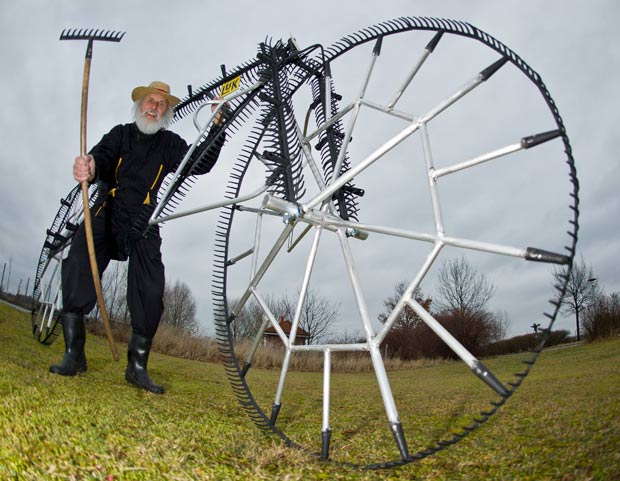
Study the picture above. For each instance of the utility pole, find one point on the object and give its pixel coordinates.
(2, 281)
(8, 280)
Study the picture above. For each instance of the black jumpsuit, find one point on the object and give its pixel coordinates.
(131, 166)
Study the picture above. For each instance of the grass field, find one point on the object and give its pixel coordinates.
(562, 424)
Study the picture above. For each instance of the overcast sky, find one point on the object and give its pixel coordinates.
(572, 44)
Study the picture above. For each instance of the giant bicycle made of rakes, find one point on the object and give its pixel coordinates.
(356, 167)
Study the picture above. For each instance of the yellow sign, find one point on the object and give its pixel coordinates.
(230, 86)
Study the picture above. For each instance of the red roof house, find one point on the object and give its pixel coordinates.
(271, 335)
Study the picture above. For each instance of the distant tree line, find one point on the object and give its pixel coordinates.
(597, 315)
(179, 302)
(461, 306)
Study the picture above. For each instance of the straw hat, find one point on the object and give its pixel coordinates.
(157, 87)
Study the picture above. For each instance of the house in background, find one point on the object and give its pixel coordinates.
(271, 335)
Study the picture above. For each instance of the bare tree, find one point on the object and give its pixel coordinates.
(179, 303)
(180, 308)
(462, 289)
(316, 318)
(499, 326)
(114, 289)
(464, 295)
(582, 290)
(249, 320)
(407, 317)
(602, 318)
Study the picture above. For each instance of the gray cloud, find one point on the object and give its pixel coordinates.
(571, 44)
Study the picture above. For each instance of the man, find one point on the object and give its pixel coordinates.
(131, 162)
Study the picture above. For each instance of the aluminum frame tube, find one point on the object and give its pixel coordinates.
(272, 318)
(331, 121)
(256, 343)
(356, 347)
(467, 357)
(327, 367)
(392, 112)
(375, 354)
(333, 222)
(305, 284)
(283, 373)
(363, 165)
(432, 183)
(355, 113)
(408, 294)
(428, 49)
(497, 153)
(216, 205)
(258, 229)
(264, 266)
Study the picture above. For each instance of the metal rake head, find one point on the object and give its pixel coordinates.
(91, 34)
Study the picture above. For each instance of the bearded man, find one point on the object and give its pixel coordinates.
(130, 162)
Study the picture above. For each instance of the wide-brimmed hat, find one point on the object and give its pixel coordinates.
(157, 87)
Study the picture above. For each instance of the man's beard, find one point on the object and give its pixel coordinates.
(147, 126)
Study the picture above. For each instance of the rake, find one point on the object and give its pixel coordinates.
(91, 35)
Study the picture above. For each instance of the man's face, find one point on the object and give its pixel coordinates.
(153, 107)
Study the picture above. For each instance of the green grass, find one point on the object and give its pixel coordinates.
(562, 424)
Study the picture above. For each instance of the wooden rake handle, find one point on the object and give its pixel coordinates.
(85, 201)
(91, 35)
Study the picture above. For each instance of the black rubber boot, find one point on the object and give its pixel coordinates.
(74, 332)
(137, 359)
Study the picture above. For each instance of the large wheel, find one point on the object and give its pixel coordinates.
(47, 292)
(455, 150)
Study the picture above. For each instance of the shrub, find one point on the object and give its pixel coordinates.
(169, 340)
(474, 330)
(602, 318)
(525, 342)
(412, 343)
